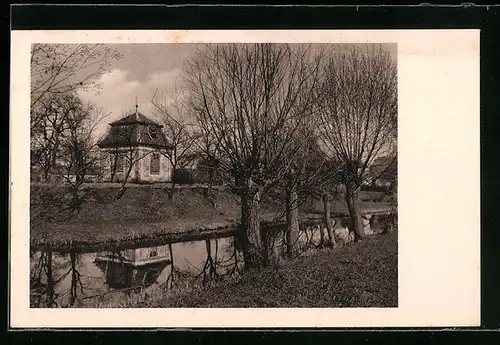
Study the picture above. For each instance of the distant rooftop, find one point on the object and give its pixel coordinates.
(135, 117)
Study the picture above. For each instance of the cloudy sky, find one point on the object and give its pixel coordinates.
(144, 69)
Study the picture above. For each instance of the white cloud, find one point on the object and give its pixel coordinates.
(117, 95)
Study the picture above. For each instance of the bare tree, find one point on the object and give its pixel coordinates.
(313, 176)
(66, 121)
(80, 153)
(58, 70)
(358, 116)
(308, 176)
(47, 133)
(252, 98)
(64, 68)
(179, 129)
(210, 166)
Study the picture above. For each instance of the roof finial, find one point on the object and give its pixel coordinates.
(136, 105)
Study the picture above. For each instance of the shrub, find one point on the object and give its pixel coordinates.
(184, 176)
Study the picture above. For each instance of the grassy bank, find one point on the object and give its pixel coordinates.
(359, 275)
(143, 215)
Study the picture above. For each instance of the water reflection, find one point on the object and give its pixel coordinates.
(92, 275)
(69, 280)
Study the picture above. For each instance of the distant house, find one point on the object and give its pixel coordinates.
(134, 146)
(384, 171)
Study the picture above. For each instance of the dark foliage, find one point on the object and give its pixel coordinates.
(184, 176)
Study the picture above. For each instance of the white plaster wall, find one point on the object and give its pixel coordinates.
(119, 176)
(144, 167)
(141, 169)
(144, 253)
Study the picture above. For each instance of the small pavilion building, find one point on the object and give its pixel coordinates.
(133, 267)
(134, 149)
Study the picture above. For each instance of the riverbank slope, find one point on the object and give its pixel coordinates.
(363, 274)
(145, 214)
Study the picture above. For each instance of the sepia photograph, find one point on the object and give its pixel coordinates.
(248, 174)
(213, 175)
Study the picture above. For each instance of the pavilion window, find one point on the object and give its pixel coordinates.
(153, 132)
(155, 164)
(119, 164)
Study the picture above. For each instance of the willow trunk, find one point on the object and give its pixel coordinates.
(255, 253)
(352, 200)
(327, 219)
